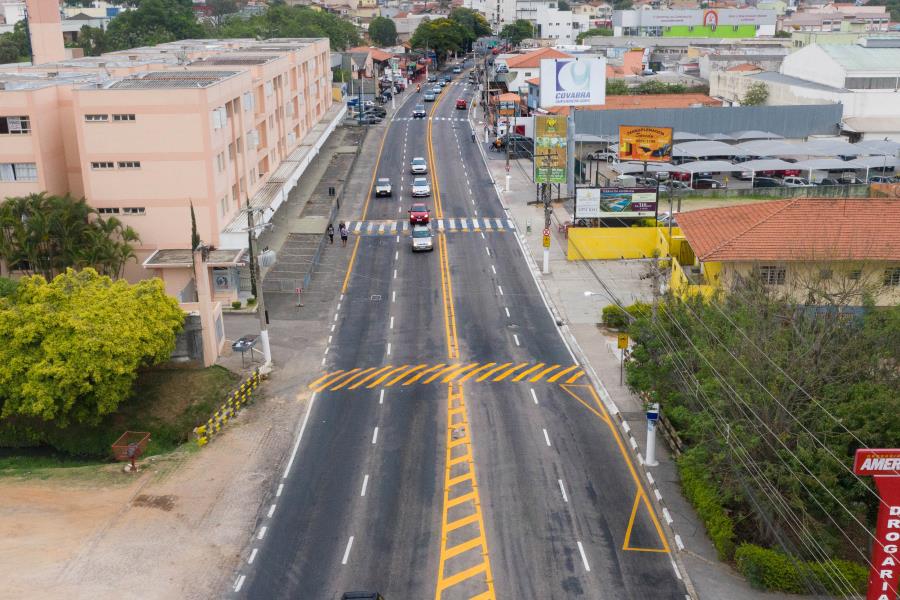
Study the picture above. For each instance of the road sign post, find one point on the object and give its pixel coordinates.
(884, 466)
(623, 345)
(652, 418)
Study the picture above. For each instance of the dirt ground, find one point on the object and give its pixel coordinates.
(175, 530)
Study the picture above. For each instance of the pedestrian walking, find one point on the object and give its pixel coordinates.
(330, 233)
(343, 230)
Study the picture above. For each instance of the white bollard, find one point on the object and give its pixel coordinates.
(546, 261)
(652, 417)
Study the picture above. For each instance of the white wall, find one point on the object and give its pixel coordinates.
(814, 64)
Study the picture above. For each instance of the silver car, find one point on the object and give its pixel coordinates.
(422, 239)
(418, 166)
(420, 187)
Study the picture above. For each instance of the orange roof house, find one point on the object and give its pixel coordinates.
(533, 59)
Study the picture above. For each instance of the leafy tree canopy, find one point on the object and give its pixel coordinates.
(563, 5)
(471, 20)
(596, 32)
(73, 346)
(15, 45)
(383, 31)
(441, 35)
(47, 234)
(292, 21)
(756, 94)
(517, 31)
(153, 22)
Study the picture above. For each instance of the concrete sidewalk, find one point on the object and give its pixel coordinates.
(565, 286)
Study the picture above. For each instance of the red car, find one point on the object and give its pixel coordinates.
(784, 173)
(418, 214)
(461, 104)
(680, 176)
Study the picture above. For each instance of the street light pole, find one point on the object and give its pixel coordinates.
(261, 312)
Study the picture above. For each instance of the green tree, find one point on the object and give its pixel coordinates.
(563, 5)
(92, 40)
(153, 22)
(441, 35)
(622, 4)
(517, 31)
(383, 31)
(893, 7)
(47, 234)
(617, 87)
(756, 95)
(782, 34)
(292, 21)
(472, 20)
(73, 346)
(15, 46)
(596, 32)
(222, 9)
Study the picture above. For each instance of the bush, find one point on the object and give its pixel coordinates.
(236, 304)
(706, 499)
(772, 570)
(615, 318)
(251, 301)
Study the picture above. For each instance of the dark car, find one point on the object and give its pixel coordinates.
(362, 596)
(370, 119)
(432, 78)
(828, 181)
(707, 184)
(378, 111)
(766, 182)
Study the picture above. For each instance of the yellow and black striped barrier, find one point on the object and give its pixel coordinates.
(229, 409)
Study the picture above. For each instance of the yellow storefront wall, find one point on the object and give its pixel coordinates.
(611, 243)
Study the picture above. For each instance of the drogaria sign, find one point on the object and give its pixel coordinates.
(884, 466)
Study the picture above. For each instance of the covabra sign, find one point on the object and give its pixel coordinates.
(884, 466)
(573, 82)
(612, 202)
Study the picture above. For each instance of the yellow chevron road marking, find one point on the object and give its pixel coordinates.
(561, 373)
(351, 378)
(369, 377)
(423, 373)
(527, 372)
(472, 374)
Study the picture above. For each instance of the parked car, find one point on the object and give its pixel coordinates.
(370, 119)
(666, 219)
(852, 181)
(422, 239)
(882, 179)
(708, 184)
(418, 214)
(680, 176)
(383, 187)
(461, 104)
(609, 156)
(795, 182)
(828, 181)
(362, 596)
(378, 111)
(766, 182)
(420, 187)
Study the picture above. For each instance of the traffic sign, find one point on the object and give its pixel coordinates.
(546, 241)
(623, 341)
(546, 232)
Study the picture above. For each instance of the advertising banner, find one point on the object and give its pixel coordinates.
(884, 466)
(573, 82)
(549, 149)
(610, 202)
(650, 144)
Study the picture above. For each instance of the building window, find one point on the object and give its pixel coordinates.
(18, 171)
(102, 165)
(240, 146)
(223, 206)
(129, 164)
(108, 211)
(15, 125)
(96, 118)
(134, 210)
(772, 275)
(123, 117)
(855, 275)
(892, 277)
(231, 151)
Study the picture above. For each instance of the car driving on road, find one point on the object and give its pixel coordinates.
(422, 239)
(418, 214)
(420, 187)
(383, 187)
(418, 166)
(419, 111)
(461, 104)
(428, 97)
(436, 90)
(457, 70)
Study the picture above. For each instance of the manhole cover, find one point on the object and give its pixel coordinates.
(375, 298)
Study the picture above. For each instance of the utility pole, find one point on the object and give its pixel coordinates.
(255, 272)
(545, 198)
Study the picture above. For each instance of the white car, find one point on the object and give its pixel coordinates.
(383, 187)
(609, 156)
(420, 187)
(418, 166)
(795, 182)
(422, 239)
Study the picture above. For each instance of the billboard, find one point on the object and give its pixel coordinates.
(573, 82)
(610, 202)
(645, 144)
(883, 464)
(549, 149)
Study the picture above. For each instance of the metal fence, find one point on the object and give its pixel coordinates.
(228, 410)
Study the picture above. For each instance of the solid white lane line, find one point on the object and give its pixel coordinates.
(546, 437)
(347, 551)
(392, 322)
(493, 268)
(562, 489)
(239, 583)
(252, 557)
(389, 349)
(507, 311)
(271, 511)
(500, 287)
(381, 397)
(375, 436)
(533, 395)
(587, 567)
(279, 490)
(262, 532)
(287, 469)
(365, 485)
(516, 338)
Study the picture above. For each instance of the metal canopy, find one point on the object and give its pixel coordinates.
(879, 147)
(765, 164)
(703, 148)
(720, 136)
(711, 166)
(754, 134)
(633, 167)
(872, 162)
(827, 148)
(826, 164)
(685, 136)
(765, 148)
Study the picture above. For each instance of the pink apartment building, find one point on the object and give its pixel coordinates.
(143, 134)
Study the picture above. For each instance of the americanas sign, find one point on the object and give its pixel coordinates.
(573, 82)
(884, 466)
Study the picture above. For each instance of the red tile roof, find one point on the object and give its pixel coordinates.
(743, 67)
(533, 59)
(796, 230)
(534, 80)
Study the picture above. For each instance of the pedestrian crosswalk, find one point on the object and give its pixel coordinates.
(454, 119)
(394, 227)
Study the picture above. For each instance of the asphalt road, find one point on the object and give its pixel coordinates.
(415, 479)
